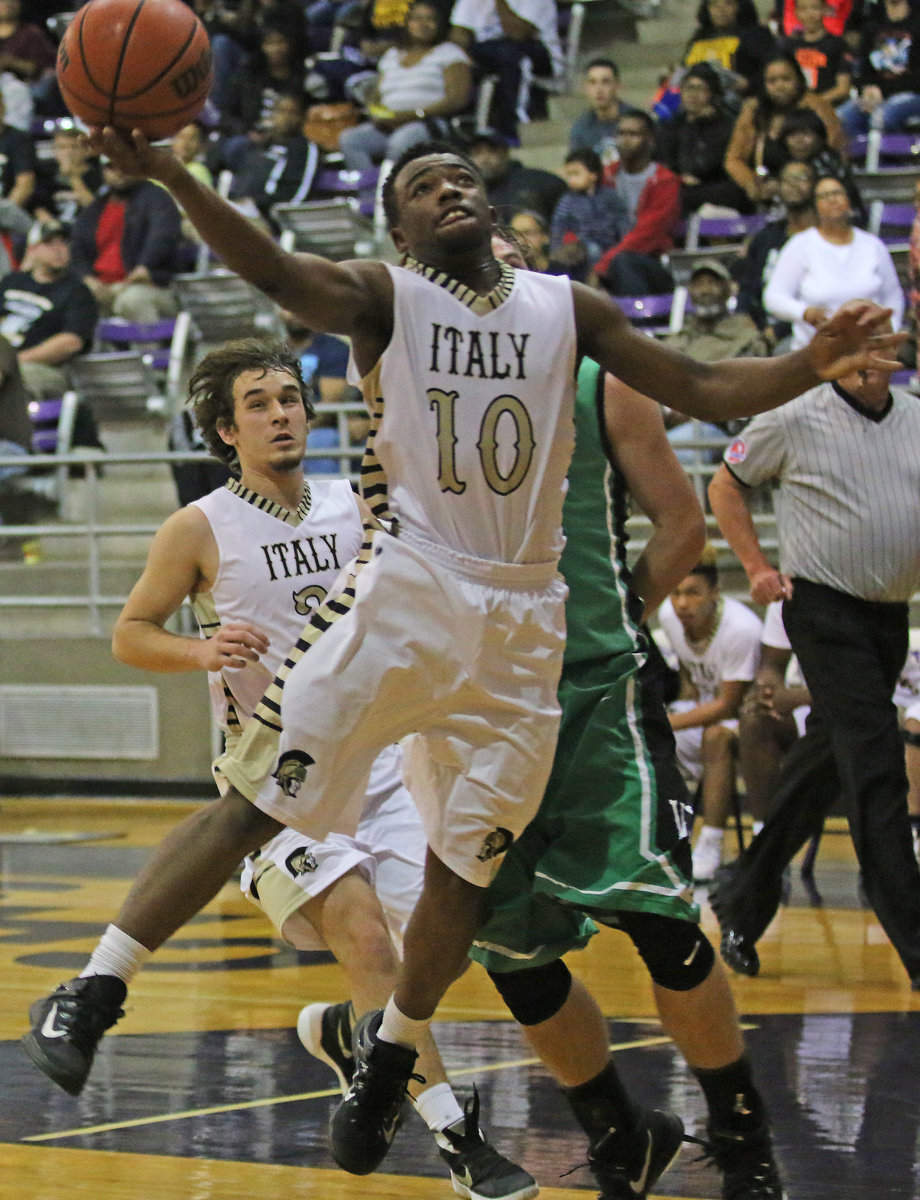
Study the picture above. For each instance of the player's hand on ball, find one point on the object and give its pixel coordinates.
(132, 154)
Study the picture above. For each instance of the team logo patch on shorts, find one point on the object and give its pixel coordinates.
(494, 844)
(291, 771)
(301, 862)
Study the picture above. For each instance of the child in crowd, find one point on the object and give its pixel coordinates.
(824, 57)
(589, 219)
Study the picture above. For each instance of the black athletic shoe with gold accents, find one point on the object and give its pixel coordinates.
(67, 1026)
(749, 1170)
(627, 1164)
(366, 1120)
(477, 1170)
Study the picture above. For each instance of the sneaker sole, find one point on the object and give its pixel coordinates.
(524, 1193)
(310, 1034)
(72, 1084)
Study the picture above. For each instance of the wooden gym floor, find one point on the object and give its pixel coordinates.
(203, 1090)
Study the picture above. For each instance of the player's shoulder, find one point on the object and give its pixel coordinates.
(739, 617)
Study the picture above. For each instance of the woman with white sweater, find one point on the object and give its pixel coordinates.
(821, 268)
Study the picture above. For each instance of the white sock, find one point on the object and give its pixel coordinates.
(438, 1107)
(709, 833)
(116, 954)
(397, 1027)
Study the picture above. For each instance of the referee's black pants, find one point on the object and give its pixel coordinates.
(851, 653)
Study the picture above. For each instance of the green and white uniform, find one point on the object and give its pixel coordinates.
(611, 833)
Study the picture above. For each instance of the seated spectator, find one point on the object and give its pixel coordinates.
(710, 333)
(729, 35)
(15, 224)
(17, 162)
(796, 195)
(804, 139)
(323, 359)
(825, 266)
(887, 72)
(419, 86)
(68, 181)
(15, 441)
(47, 313)
(247, 110)
(836, 17)
(716, 642)
(283, 169)
(188, 146)
(509, 184)
(513, 44)
(693, 143)
(596, 128)
(824, 57)
(532, 229)
(26, 51)
(588, 218)
(126, 245)
(756, 151)
(633, 267)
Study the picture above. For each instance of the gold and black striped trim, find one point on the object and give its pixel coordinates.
(480, 305)
(268, 710)
(271, 506)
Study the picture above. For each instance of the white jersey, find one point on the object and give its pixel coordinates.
(732, 654)
(276, 566)
(472, 448)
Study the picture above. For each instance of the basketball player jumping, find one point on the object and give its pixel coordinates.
(452, 634)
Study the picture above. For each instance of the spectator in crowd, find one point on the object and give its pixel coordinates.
(832, 259)
(532, 229)
(15, 426)
(887, 71)
(126, 246)
(729, 35)
(596, 127)
(68, 181)
(844, 457)
(710, 333)
(716, 643)
(515, 44)
(189, 145)
(15, 224)
(26, 50)
(283, 169)
(509, 184)
(804, 139)
(693, 142)
(588, 218)
(836, 17)
(419, 85)
(756, 150)
(633, 267)
(824, 57)
(47, 313)
(247, 110)
(17, 162)
(796, 194)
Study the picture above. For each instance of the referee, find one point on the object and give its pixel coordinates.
(845, 458)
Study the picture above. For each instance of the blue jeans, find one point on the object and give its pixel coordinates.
(895, 111)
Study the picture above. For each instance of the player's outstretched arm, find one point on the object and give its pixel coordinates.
(347, 298)
(182, 560)
(855, 338)
(661, 489)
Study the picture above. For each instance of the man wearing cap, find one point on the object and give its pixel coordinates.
(510, 186)
(710, 331)
(46, 311)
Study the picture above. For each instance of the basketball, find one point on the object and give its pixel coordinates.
(135, 64)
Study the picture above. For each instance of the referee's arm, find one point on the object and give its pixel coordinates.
(729, 507)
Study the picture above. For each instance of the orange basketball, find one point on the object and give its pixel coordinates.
(135, 64)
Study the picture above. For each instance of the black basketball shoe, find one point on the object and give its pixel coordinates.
(749, 1170)
(326, 1031)
(366, 1120)
(477, 1170)
(626, 1165)
(67, 1026)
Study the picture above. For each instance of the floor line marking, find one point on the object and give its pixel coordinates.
(136, 1122)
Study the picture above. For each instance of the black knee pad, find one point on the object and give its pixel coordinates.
(535, 994)
(677, 954)
(910, 738)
